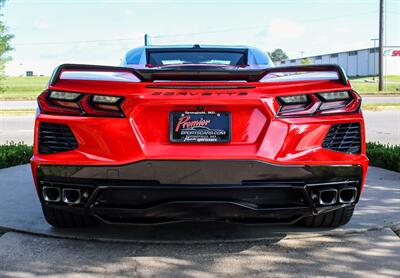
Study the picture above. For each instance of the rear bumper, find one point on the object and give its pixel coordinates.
(170, 190)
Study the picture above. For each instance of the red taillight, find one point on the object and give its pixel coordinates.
(69, 103)
(319, 104)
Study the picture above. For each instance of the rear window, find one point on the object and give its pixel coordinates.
(161, 58)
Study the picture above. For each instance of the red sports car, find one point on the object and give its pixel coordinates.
(199, 133)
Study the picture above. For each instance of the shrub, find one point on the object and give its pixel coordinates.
(384, 156)
(13, 154)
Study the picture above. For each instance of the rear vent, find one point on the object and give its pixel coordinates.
(343, 138)
(54, 138)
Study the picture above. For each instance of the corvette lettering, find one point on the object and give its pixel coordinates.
(199, 94)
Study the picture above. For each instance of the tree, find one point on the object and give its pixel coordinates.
(306, 61)
(5, 39)
(278, 55)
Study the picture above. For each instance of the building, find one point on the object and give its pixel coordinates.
(360, 62)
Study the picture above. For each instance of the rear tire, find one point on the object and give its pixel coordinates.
(64, 219)
(330, 219)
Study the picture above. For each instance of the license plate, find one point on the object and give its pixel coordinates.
(200, 127)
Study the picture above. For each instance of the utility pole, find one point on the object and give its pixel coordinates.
(381, 5)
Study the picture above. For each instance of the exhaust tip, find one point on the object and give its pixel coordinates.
(347, 195)
(51, 194)
(327, 196)
(71, 196)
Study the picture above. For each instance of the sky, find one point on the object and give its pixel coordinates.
(49, 33)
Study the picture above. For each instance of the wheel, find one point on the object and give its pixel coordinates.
(64, 219)
(330, 219)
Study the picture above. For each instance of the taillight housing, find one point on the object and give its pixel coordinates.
(324, 103)
(80, 104)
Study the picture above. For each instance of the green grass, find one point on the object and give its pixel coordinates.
(17, 112)
(22, 88)
(384, 156)
(380, 106)
(392, 85)
(13, 154)
(28, 88)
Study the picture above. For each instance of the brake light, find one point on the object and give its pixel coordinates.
(71, 103)
(319, 104)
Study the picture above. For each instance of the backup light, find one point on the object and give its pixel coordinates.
(67, 96)
(334, 96)
(296, 99)
(105, 99)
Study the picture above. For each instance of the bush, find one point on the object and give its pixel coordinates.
(13, 154)
(384, 156)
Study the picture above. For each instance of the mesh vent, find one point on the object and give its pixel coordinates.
(54, 138)
(343, 138)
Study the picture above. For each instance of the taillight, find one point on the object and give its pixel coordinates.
(71, 103)
(319, 104)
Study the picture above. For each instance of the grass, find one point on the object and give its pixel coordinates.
(384, 156)
(13, 154)
(22, 88)
(28, 88)
(392, 86)
(380, 106)
(17, 112)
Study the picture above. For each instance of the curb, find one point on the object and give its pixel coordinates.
(395, 227)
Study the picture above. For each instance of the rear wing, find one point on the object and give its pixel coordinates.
(127, 74)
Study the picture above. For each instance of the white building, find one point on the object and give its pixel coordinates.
(361, 62)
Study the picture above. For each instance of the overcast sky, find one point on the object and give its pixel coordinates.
(48, 33)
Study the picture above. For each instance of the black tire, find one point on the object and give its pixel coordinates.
(330, 219)
(65, 219)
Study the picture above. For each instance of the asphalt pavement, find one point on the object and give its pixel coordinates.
(369, 246)
(372, 254)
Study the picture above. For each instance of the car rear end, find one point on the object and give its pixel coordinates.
(126, 145)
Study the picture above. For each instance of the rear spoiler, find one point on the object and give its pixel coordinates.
(198, 74)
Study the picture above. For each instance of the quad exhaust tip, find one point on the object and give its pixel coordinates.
(327, 196)
(347, 195)
(51, 194)
(71, 196)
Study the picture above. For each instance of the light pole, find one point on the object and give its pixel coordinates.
(381, 6)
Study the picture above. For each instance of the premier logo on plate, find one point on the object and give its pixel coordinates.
(200, 126)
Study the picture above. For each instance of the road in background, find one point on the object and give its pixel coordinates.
(17, 129)
(19, 104)
(381, 126)
(381, 99)
(31, 104)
